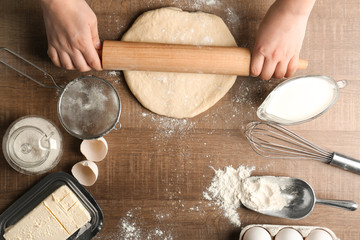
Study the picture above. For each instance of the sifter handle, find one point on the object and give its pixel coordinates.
(25, 74)
(345, 162)
(120, 55)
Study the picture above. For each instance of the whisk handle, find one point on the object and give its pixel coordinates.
(345, 162)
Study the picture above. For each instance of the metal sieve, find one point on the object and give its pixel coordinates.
(88, 107)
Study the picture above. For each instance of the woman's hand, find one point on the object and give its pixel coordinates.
(279, 39)
(72, 33)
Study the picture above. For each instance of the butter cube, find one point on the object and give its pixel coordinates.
(57, 217)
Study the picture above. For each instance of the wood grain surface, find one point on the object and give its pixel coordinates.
(157, 168)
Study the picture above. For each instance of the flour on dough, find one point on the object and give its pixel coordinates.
(179, 95)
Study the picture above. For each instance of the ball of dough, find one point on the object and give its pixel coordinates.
(179, 95)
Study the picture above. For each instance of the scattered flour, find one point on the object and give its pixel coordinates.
(113, 73)
(225, 190)
(232, 18)
(209, 2)
(166, 127)
(197, 4)
(200, 3)
(131, 228)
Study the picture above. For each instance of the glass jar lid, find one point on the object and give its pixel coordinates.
(32, 145)
(25, 149)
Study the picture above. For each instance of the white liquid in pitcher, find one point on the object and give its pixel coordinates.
(299, 100)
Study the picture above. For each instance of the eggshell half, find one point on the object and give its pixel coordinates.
(86, 172)
(257, 233)
(319, 234)
(94, 150)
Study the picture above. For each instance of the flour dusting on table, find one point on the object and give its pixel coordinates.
(225, 190)
(197, 4)
(131, 227)
(166, 127)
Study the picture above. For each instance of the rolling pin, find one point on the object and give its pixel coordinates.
(120, 55)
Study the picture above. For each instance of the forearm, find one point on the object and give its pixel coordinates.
(295, 7)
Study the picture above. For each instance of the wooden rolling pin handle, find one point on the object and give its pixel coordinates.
(302, 64)
(120, 55)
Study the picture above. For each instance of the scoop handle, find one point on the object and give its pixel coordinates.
(344, 204)
(121, 55)
(345, 162)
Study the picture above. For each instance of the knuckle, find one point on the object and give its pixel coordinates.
(65, 46)
(260, 49)
(277, 55)
(93, 19)
(80, 43)
(92, 62)
(86, 51)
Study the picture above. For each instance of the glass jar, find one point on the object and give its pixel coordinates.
(32, 145)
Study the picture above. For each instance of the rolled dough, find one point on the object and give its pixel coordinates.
(179, 95)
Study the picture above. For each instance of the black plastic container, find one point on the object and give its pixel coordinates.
(44, 188)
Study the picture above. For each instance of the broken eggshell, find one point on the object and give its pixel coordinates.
(95, 149)
(86, 172)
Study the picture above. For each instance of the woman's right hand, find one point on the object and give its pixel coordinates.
(279, 39)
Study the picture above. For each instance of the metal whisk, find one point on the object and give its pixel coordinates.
(275, 141)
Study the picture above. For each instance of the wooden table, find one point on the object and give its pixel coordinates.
(157, 168)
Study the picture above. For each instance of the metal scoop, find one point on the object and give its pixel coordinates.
(300, 198)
